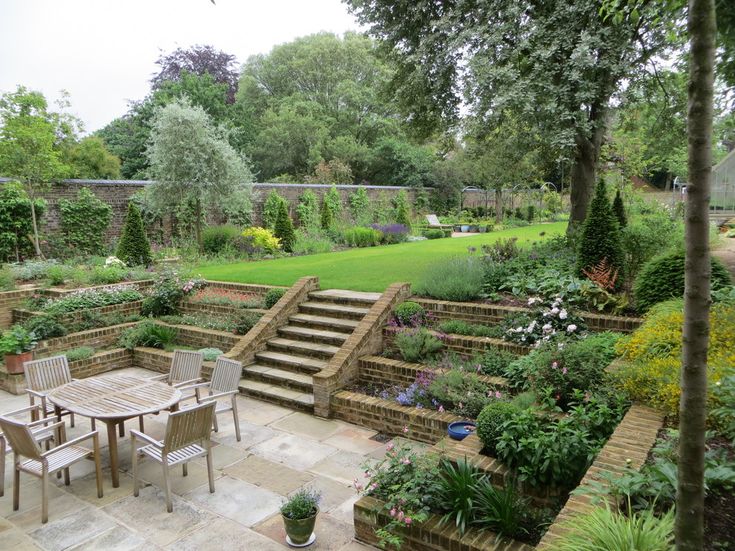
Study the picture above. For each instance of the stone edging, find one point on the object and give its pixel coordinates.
(367, 338)
(490, 314)
(267, 327)
(369, 514)
(626, 449)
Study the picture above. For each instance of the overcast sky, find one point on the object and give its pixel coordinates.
(103, 52)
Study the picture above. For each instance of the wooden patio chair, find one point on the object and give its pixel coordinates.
(225, 382)
(45, 375)
(186, 369)
(43, 464)
(432, 222)
(41, 434)
(187, 437)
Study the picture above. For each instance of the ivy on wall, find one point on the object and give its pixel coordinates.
(84, 222)
(15, 222)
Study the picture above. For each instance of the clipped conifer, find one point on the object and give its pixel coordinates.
(134, 248)
(284, 228)
(600, 237)
(327, 219)
(619, 210)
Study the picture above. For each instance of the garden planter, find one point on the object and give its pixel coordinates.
(14, 362)
(464, 228)
(300, 532)
(459, 430)
(474, 229)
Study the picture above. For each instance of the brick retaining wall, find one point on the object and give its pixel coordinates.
(124, 309)
(464, 345)
(10, 300)
(102, 337)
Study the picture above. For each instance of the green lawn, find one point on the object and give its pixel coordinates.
(370, 269)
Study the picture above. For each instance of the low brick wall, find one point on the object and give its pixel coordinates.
(125, 309)
(367, 338)
(10, 300)
(267, 327)
(243, 287)
(160, 361)
(490, 314)
(626, 449)
(103, 337)
(464, 345)
(369, 515)
(196, 337)
(388, 417)
(380, 370)
(195, 308)
(102, 362)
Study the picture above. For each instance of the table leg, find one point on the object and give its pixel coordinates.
(112, 443)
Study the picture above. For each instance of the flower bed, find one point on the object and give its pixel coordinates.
(226, 297)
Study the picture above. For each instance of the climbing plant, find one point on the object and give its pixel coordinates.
(84, 222)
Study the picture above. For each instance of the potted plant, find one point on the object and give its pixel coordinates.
(299, 517)
(17, 344)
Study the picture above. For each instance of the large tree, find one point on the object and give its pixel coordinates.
(192, 163)
(559, 63)
(29, 146)
(693, 405)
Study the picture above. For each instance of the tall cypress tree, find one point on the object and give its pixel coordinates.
(600, 237)
(619, 210)
(134, 248)
(284, 228)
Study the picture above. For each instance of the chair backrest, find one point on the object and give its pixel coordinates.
(433, 220)
(20, 438)
(47, 373)
(226, 375)
(189, 426)
(185, 366)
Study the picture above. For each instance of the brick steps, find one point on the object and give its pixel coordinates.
(307, 334)
(282, 373)
(323, 322)
(329, 309)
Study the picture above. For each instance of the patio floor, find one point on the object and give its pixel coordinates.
(280, 452)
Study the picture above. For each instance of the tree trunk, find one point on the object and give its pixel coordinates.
(498, 205)
(198, 226)
(692, 407)
(34, 220)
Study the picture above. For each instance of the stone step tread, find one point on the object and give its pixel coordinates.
(304, 346)
(275, 373)
(291, 360)
(345, 295)
(336, 308)
(277, 393)
(316, 334)
(325, 321)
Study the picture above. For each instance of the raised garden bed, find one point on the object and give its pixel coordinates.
(464, 345)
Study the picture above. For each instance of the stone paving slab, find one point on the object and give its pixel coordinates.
(302, 424)
(295, 452)
(343, 467)
(237, 500)
(226, 535)
(269, 475)
(72, 529)
(331, 534)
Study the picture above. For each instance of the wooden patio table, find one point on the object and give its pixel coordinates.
(113, 399)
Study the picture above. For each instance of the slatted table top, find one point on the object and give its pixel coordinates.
(114, 396)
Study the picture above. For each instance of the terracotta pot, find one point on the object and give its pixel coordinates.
(14, 362)
(300, 530)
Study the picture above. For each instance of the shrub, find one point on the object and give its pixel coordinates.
(530, 213)
(501, 250)
(495, 362)
(457, 490)
(458, 279)
(332, 203)
(92, 298)
(17, 340)
(308, 210)
(460, 327)
(392, 233)
(218, 239)
(502, 511)
(45, 327)
(15, 221)
(619, 210)
(166, 294)
(600, 236)
(417, 344)
(361, 237)
(284, 228)
(410, 314)
(645, 237)
(210, 354)
(311, 243)
(271, 207)
(261, 239)
(7, 281)
(32, 269)
(360, 206)
(603, 528)
(433, 233)
(148, 333)
(84, 222)
(272, 296)
(245, 322)
(462, 392)
(134, 248)
(547, 322)
(491, 420)
(652, 355)
(79, 353)
(106, 275)
(663, 278)
(403, 209)
(58, 274)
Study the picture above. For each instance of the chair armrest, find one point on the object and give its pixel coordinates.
(36, 393)
(145, 437)
(43, 421)
(159, 377)
(218, 395)
(188, 387)
(183, 384)
(71, 442)
(21, 410)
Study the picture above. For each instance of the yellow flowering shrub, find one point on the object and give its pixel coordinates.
(262, 238)
(652, 355)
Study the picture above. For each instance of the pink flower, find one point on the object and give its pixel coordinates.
(554, 365)
(441, 408)
(405, 429)
(498, 394)
(408, 520)
(390, 446)
(400, 515)
(564, 371)
(393, 512)
(406, 461)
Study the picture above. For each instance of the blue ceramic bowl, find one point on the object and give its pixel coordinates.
(459, 430)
